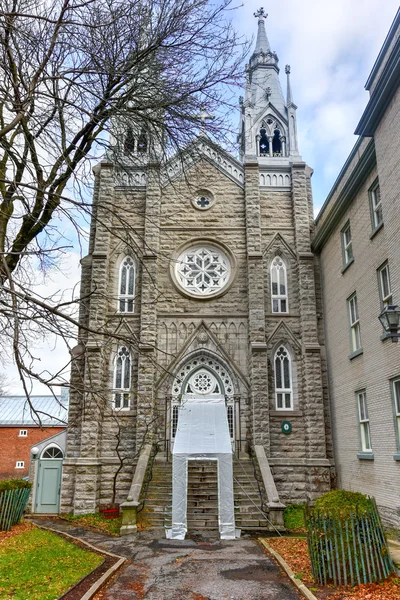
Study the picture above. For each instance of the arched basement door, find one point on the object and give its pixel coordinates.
(205, 378)
(48, 480)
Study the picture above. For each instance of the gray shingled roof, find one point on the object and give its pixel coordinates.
(15, 410)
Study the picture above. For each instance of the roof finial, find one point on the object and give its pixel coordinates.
(261, 14)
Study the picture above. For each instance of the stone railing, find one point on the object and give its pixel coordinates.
(134, 499)
(274, 505)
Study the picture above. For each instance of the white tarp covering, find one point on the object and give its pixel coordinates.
(202, 434)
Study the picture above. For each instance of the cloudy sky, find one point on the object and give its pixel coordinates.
(331, 47)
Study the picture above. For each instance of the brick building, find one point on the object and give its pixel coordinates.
(20, 430)
(357, 237)
(207, 266)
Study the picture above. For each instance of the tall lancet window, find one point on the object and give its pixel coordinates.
(122, 379)
(126, 286)
(129, 142)
(142, 143)
(264, 143)
(283, 380)
(276, 143)
(279, 295)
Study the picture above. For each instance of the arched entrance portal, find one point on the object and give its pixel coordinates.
(202, 376)
(48, 479)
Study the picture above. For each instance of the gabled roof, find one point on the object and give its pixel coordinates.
(15, 410)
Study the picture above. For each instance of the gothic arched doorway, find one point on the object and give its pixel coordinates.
(203, 377)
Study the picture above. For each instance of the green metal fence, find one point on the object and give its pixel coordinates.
(12, 506)
(350, 549)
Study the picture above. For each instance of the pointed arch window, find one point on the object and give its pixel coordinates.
(264, 143)
(142, 143)
(283, 379)
(126, 286)
(122, 379)
(276, 143)
(279, 295)
(129, 142)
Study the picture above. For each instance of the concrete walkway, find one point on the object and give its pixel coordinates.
(163, 569)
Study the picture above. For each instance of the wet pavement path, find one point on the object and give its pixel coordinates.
(161, 569)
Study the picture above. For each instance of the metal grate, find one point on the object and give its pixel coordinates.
(229, 410)
(175, 414)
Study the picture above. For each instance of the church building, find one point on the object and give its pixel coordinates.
(200, 289)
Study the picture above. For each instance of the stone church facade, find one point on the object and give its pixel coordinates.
(207, 269)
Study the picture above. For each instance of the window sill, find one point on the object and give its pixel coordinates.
(286, 413)
(356, 353)
(376, 230)
(396, 456)
(365, 456)
(346, 266)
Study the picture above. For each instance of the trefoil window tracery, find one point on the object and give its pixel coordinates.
(126, 286)
(279, 295)
(283, 379)
(122, 379)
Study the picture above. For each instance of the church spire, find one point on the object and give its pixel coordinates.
(262, 44)
(268, 126)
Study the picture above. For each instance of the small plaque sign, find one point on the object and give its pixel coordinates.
(286, 427)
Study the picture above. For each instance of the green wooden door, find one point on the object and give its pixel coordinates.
(48, 486)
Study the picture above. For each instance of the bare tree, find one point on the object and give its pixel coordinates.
(77, 79)
(3, 384)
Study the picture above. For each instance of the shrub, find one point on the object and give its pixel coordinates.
(14, 484)
(341, 502)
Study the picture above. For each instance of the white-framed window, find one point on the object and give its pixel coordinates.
(52, 452)
(376, 206)
(20, 464)
(279, 295)
(347, 244)
(363, 419)
(126, 286)
(23, 433)
(385, 290)
(283, 379)
(355, 331)
(122, 379)
(396, 399)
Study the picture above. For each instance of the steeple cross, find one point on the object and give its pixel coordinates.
(261, 14)
(203, 117)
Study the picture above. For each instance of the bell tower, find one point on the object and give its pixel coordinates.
(268, 127)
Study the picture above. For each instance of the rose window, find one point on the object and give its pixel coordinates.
(203, 382)
(203, 270)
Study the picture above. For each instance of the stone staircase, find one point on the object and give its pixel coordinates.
(202, 500)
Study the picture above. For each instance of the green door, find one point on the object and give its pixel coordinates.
(48, 486)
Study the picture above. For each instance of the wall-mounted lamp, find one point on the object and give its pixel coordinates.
(35, 452)
(390, 319)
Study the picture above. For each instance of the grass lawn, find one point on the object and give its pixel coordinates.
(97, 521)
(39, 565)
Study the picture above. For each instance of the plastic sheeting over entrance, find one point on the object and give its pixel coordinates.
(202, 434)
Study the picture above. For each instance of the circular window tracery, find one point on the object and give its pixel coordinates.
(203, 200)
(203, 270)
(203, 366)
